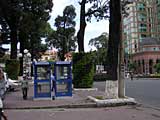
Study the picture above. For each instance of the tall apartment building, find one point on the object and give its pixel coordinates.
(142, 25)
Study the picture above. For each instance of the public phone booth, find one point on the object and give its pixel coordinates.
(42, 80)
(63, 78)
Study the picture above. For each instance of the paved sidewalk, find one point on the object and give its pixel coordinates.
(80, 99)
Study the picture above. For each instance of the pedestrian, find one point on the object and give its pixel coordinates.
(2, 115)
(53, 85)
(24, 85)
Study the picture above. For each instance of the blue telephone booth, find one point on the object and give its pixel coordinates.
(42, 80)
(63, 79)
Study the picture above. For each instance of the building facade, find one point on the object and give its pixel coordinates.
(142, 24)
(147, 57)
(49, 55)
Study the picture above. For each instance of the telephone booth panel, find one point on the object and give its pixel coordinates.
(42, 80)
(63, 79)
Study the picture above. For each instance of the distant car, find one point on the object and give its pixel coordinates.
(10, 85)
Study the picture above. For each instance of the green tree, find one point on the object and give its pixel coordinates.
(4, 30)
(23, 15)
(157, 67)
(35, 16)
(132, 66)
(10, 11)
(26, 21)
(99, 9)
(63, 37)
(101, 44)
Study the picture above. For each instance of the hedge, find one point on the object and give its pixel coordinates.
(12, 68)
(83, 70)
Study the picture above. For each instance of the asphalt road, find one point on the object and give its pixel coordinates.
(146, 92)
(115, 113)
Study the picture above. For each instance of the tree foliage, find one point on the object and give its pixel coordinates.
(4, 30)
(132, 66)
(63, 37)
(100, 41)
(101, 44)
(157, 67)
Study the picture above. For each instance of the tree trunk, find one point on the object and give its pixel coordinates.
(64, 50)
(32, 59)
(21, 51)
(14, 42)
(81, 32)
(114, 38)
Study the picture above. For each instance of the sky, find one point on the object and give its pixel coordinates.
(93, 29)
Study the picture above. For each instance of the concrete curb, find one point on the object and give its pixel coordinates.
(113, 102)
(90, 105)
(98, 103)
(85, 89)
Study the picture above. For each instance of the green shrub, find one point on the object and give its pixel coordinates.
(83, 70)
(12, 68)
(157, 67)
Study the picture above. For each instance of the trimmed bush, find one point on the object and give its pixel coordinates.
(83, 70)
(12, 68)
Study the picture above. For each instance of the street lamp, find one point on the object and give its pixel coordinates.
(26, 64)
(20, 55)
(26, 72)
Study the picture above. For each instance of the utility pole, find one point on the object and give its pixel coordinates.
(121, 68)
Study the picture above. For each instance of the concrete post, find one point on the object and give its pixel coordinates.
(111, 89)
(121, 69)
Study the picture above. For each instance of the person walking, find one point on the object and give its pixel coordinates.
(131, 76)
(24, 85)
(53, 85)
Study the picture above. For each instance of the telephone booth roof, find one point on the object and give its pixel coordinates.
(62, 63)
(41, 63)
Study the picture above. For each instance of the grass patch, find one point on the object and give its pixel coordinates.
(99, 97)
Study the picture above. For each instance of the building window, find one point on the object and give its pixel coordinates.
(142, 30)
(135, 46)
(143, 25)
(141, 7)
(143, 35)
